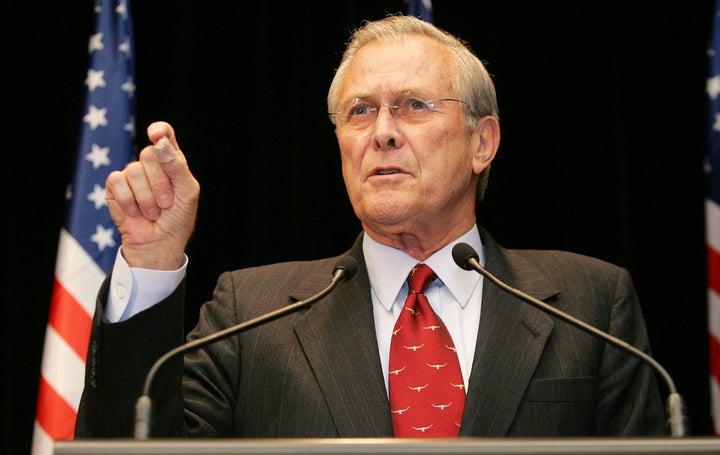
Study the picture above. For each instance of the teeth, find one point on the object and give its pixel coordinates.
(387, 171)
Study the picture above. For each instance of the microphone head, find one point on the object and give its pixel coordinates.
(348, 265)
(462, 253)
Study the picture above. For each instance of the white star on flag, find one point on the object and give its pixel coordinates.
(99, 156)
(124, 47)
(130, 127)
(96, 43)
(98, 197)
(122, 10)
(96, 117)
(95, 79)
(129, 87)
(713, 86)
(103, 237)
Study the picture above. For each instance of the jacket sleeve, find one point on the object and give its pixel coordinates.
(118, 359)
(629, 401)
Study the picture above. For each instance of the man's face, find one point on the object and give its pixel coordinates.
(406, 176)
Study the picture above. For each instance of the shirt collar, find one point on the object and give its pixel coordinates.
(389, 267)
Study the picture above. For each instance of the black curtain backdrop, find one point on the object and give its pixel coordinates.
(602, 115)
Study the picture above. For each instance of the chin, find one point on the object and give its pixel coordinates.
(387, 217)
(386, 207)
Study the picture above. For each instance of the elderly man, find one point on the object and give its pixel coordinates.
(444, 354)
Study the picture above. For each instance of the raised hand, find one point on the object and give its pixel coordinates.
(153, 202)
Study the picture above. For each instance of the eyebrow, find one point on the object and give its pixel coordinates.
(403, 93)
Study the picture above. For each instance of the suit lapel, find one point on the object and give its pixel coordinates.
(338, 337)
(511, 339)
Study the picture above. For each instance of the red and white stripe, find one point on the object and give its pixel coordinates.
(77, 279)
(712, 213)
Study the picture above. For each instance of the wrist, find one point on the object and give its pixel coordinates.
(153, 259)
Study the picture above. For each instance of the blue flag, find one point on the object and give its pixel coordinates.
(107, 131)
(421, 9)
(89, 239)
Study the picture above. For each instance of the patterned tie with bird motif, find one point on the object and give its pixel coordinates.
(427, 392)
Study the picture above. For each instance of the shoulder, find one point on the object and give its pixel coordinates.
(297, 278)
(556, 268)
(547, 260)
(285, 270)
(558, 260)
(305, 277)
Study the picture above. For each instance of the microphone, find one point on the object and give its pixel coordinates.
(467, 258)
(344, 270)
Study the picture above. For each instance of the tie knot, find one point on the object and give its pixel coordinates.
(420, 278)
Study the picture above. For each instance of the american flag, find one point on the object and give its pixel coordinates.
(88, 241)
(712, 218)
(421, 9)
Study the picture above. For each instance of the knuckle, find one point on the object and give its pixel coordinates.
(134, 170)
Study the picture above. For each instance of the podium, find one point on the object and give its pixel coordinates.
(505, 446)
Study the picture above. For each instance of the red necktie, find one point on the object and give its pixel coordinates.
(427, 392)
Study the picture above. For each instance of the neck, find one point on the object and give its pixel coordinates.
(417, 242)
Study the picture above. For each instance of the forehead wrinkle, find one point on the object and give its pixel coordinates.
(379, 70)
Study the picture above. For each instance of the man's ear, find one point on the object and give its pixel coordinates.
(486, 141)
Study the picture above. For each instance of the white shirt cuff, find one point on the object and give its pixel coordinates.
(133, 289)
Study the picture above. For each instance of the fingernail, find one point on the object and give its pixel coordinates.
(164, 151)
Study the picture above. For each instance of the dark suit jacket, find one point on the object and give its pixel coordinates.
(316, 373)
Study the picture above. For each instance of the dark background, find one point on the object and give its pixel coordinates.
(602, 112)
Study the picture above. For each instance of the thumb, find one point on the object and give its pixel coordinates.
(174, 165)
(164, 151)
(167, 168)
(162, 135)
(171, 161)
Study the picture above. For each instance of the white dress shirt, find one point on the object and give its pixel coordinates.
(455, 295)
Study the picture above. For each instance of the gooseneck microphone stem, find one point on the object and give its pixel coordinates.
(466, 257)
(343, 271)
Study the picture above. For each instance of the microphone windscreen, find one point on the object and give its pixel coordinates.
(348, 264)
(461, 253)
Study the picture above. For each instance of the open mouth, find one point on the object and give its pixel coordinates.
(386, 171)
